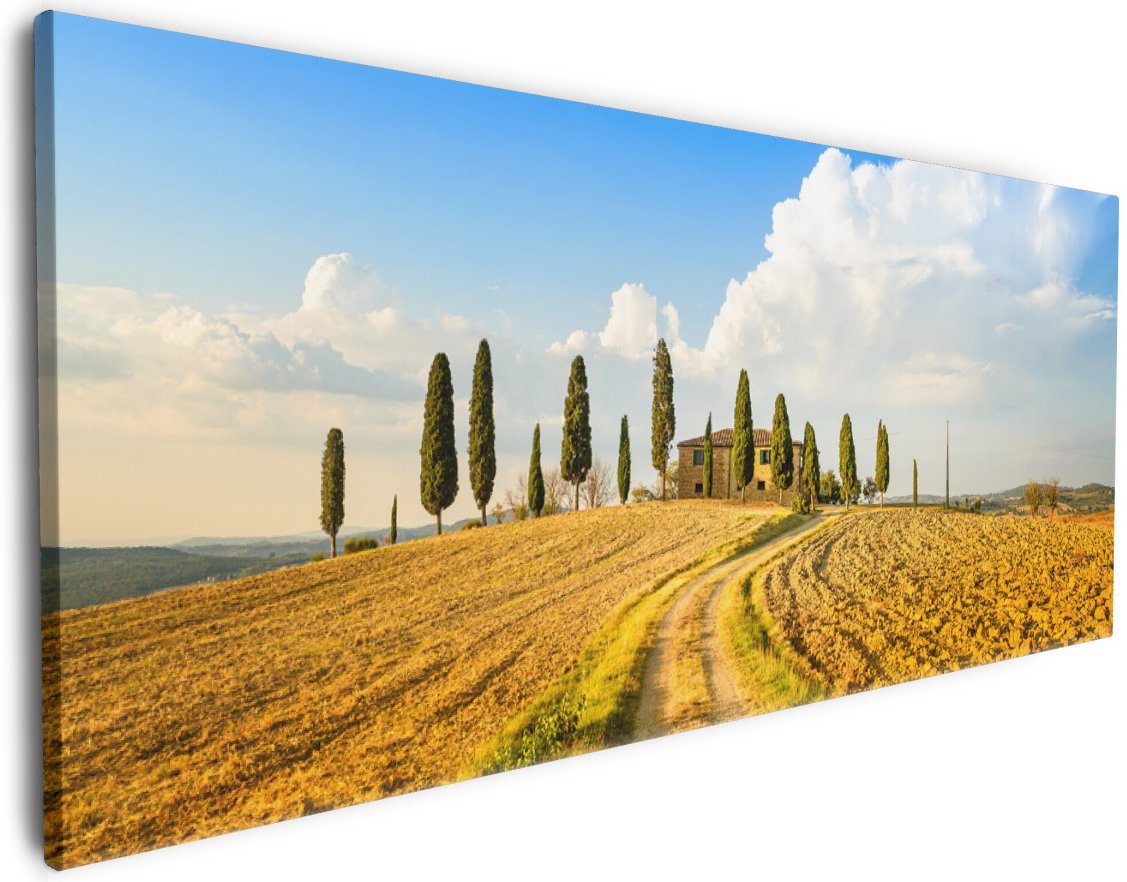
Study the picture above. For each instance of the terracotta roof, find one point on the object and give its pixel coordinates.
(723, 438)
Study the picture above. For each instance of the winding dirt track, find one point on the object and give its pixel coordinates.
(661, 711)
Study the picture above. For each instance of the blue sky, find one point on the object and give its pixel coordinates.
(222, 171)
(202, 185)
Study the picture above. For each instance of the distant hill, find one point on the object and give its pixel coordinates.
(76, 577)
(1085, 499)
(305, 543)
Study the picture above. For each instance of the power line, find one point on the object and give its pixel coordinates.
(1076, 453)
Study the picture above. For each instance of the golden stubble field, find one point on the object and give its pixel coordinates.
(203, 710)
(890, 596)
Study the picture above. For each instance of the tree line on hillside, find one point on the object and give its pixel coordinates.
(1042, 497)
(581, 476)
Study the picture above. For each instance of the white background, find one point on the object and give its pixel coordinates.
(1015, 770)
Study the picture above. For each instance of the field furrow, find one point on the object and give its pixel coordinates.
(891, 596)
(197, 711)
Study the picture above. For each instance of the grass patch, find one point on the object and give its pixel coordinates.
(770, 675)
(594, 705)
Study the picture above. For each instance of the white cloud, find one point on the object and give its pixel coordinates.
(575, 342)
(336, 282)
(631, 329)
(868, 263)
(672, 323)
(931, 379)
(150, 363)
(1061, 301)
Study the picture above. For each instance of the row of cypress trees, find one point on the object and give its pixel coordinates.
(782, 461)
(438, 473)
(847, 459)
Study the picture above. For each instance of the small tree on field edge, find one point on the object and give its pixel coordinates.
(847, 461)
(743, 437)
(438, 472)
(535, 497)
(624, 461)
(663, 418)
(575, 452)
(332, 487)
(782, 448)
(1052, 495)
(882, 460)
(708, 458)
(1034, 497)
(483, 456)
(811, 466)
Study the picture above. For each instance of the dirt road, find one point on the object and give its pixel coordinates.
(687, 682)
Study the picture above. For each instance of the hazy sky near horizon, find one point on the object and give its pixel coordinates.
(254, 246)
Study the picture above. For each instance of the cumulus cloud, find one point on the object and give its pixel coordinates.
(335, 281)
(631, 329)
(576, 341)
(869, 261)
(120, 335)
(159, 365)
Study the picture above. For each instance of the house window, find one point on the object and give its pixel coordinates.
(698, 457)
(765, 456)
(698, 488)
(761, 485)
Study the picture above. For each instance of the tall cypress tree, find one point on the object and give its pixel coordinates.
(782, 448)
(483, 457)
(708, 457)
(624, 461)
(332, 487)
(393, 533)
(438, 473)
(915, 486)
(575, 452)
(882, 460)
(811, 466)
(535, 477)
(847, 460)
(743, 437)
(663, 417)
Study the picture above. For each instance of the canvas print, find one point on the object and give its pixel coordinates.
(397, 431)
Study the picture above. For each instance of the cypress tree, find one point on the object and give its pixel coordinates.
(483, 456)
(743, 437)
(575, 452)
(882, 460)
(438, 474)
(708, 457)
(663, 418)
(393, 533)
(535, 477)
(847, 460)
(915, 486)
(811, 467)
(624, 461)
(782, 448)
(332, 487)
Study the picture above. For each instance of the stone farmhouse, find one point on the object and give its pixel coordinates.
(690, 468)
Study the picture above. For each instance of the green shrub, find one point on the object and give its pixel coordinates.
(354, 544)
(318, 556)
(541, 741)
(800, 504)
(470, 525)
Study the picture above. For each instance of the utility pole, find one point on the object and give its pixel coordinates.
(947, 497)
